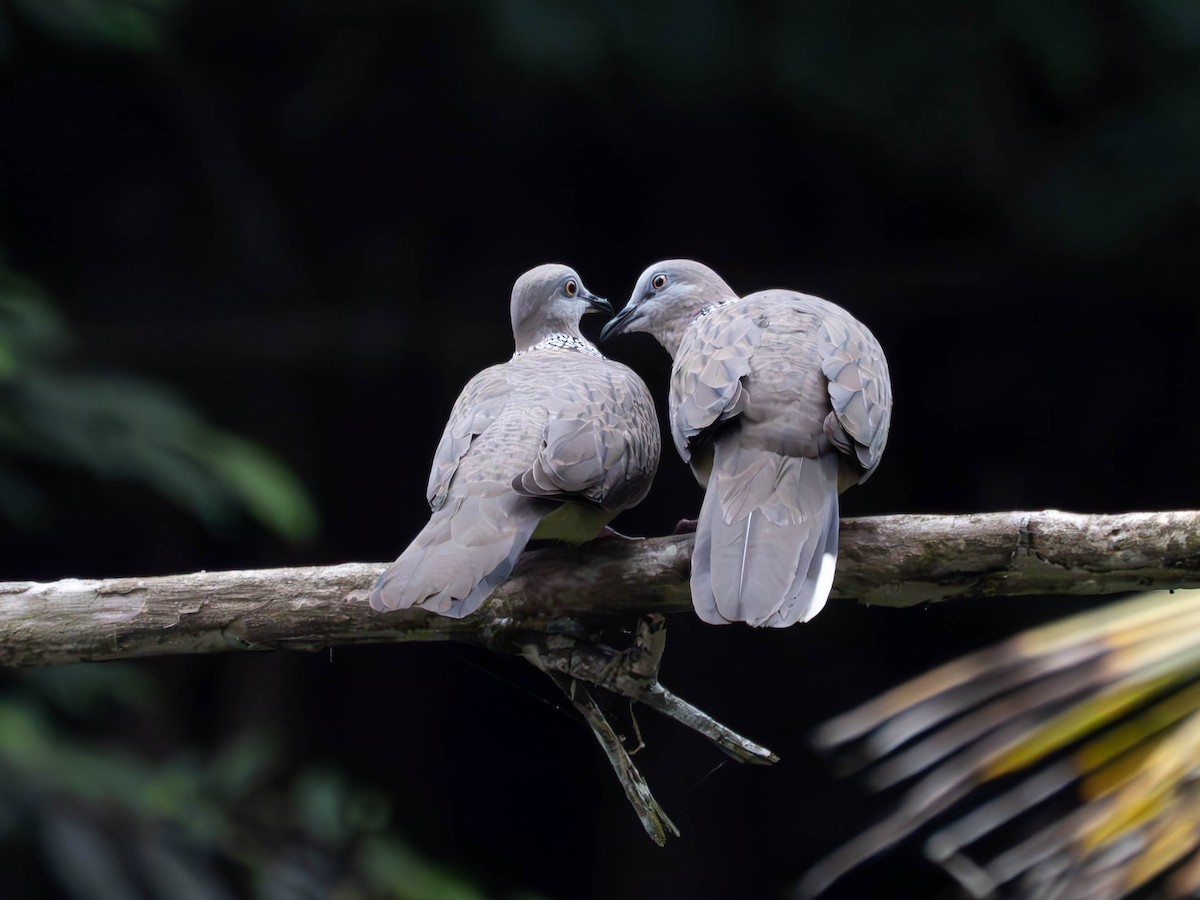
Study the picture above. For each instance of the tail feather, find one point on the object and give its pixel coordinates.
(465, 551)
(811, 588)
(703, 599)
(766, 540)
(754, 562)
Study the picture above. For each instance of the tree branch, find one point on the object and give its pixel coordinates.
(890, 560)
(569, 610)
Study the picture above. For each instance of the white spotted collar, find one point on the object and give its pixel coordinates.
(561, 341)
(704, 312)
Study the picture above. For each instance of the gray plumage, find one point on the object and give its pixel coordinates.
(779, 401)
(552, 443)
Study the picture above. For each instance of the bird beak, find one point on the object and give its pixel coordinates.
(594, 303)
(620, 323)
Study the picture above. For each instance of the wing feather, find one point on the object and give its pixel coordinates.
(708, 377)
(860, 389)
(479, 404)
(601, 442)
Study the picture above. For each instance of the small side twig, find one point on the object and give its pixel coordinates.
(574, 662)
(633, 673)
(740, 748)
(653, 817)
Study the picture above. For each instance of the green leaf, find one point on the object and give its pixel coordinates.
(394, 870)
(245, 762)
(30, 324)
(127, 428)
(135, 25)
(267, 488)
(22, 732)
(320, 798)
(8, 359)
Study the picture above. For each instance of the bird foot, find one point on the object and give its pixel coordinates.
(686, 526)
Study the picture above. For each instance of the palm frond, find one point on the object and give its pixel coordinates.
(1105, 704)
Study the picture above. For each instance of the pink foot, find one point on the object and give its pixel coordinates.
(686, 526)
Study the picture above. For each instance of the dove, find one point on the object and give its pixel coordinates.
(552, 443)
(778, 401)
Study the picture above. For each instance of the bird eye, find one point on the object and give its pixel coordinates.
(571, 288)
(658, 282)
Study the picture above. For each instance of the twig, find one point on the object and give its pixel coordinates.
(653, 817)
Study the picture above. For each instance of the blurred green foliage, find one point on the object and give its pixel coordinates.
(115, 426)
(1091, 109)
(128, 25)
(118, 427)
(103, 820)
(109, 823)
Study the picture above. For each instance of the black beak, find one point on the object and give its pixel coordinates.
(620, 323)
(595, 304)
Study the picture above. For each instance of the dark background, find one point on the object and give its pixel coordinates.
(307, 217)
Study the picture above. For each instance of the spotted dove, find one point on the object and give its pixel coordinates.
(779, 401)
(552, 443)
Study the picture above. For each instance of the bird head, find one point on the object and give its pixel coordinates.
(667, 297)
(551, 299)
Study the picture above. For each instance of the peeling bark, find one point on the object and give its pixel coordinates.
(569, 611)
(889, 560)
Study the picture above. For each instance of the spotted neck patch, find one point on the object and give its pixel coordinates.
(704, 312)
(561, 341)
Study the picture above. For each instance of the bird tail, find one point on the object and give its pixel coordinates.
(766, 541)
(468, 548)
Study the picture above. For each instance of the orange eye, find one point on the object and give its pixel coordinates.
(571, 288)
(658, 282)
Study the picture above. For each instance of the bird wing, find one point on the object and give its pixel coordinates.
(601, 442)
(708, 377)
(479, 404)
(860, 388)
(767, 534)
(479, 525)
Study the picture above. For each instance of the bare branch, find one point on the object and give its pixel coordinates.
(891, 560)
(569, 611)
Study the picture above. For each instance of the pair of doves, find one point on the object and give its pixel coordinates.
(779, 401)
